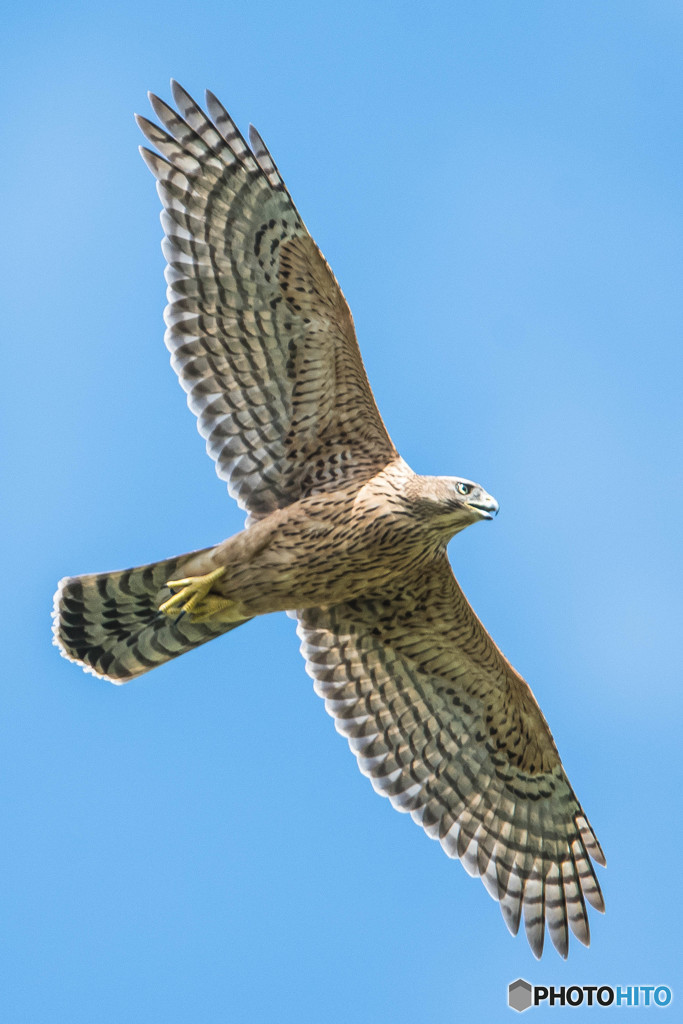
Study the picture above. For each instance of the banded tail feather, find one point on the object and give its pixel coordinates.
(110, 622)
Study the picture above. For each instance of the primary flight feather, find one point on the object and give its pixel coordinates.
(340, 532)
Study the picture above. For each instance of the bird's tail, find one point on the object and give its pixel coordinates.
(110, 622)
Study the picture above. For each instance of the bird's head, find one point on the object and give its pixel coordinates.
(454, 503)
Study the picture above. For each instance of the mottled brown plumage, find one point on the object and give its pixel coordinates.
(340, 532)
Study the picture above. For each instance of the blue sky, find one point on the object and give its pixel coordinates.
(497, 187)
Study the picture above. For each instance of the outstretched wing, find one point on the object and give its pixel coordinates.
(444, 726)
(260, 334)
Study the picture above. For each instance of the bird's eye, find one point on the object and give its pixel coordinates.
(463, 488)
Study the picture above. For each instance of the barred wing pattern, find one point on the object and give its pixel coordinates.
(260, 334)
(443, 725)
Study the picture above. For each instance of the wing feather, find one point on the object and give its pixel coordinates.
(446, 729)
(259, 332)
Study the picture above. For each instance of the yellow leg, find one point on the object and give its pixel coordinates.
(217, 609)
(194, 597)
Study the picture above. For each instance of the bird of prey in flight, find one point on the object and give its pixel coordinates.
(340, 533)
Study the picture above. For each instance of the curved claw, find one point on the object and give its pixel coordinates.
(192, 595)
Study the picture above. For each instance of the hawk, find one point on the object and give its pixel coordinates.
(340, 533)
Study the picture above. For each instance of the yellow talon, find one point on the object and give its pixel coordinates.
(193, 596)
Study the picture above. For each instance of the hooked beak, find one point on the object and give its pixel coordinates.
(484, 505)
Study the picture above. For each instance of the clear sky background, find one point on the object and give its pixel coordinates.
(497, 187)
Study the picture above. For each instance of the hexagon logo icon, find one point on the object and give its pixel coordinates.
(519, 995)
